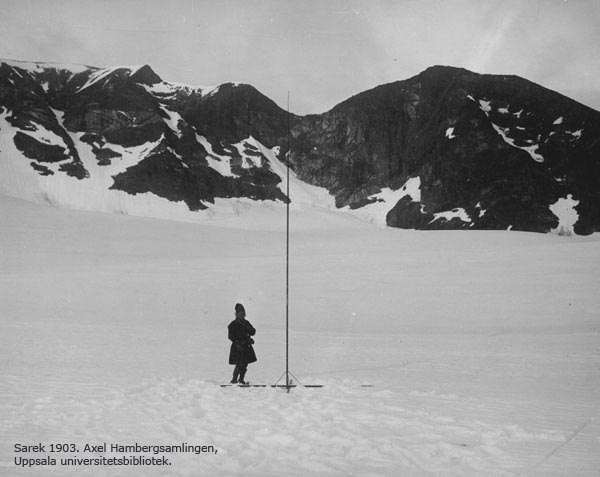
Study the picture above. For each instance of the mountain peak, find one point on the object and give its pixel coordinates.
(445, 69)
(444, 73)
(145, 75)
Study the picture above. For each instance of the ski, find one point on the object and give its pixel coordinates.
(273, 385)
(229, 385)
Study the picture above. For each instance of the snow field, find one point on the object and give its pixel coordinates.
(483, 347)
(335, 430)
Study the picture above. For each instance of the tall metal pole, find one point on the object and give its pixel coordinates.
(287, 256)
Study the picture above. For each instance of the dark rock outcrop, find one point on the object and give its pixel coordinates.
(234, 112)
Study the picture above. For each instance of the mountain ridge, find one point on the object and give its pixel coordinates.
(487, 151)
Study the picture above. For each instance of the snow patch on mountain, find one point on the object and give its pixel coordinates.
(486, 107)
(564, 210)
(457, 213)
(172, 119)
(248, 161)
(16, 71)
(41, 134)
(385, 200)
(302, 195)
(412, 189)
(531, 150)
(170, 88)
(481, 210)
(97, 76)
(178, 156)
(450, 133)
(103, 74)
(220, 163)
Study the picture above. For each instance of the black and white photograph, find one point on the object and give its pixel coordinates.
(299, 238)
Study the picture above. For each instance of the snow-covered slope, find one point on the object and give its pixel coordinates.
(114, 139)
(482, 347)
(95, 191)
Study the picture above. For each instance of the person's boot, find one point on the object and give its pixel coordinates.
(241, 380)
(235, 376)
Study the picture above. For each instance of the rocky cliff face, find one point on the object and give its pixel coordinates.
(491, 152)
(447, 148)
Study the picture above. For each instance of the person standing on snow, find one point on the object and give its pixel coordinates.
(241, 353)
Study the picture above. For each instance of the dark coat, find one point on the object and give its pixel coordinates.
(240, 332)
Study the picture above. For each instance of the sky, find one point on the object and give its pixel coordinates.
(321, 52)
